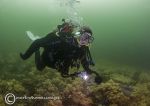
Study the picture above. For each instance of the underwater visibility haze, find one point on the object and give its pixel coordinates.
(121, 52)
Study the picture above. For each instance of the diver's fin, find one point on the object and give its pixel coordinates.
(31, 36)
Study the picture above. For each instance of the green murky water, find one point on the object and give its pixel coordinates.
(121, 48)
(121, 28)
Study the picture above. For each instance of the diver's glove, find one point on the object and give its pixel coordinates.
(98, 79)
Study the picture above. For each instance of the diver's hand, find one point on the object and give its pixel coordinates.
(98, 79)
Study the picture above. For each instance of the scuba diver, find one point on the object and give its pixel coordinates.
(62, 50)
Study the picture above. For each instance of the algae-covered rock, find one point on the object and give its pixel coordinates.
(121, 78)
(22, 78)
(46, 88)
(109, 93)
(2, 103)
(55, 103)
(59, 83)
(12, 86)
(112, 94)
(19, 88)
(144, 77)
(141, 94)
(76, 94)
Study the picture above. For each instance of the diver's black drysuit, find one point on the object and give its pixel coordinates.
(60, 52)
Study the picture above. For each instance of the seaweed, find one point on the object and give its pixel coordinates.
(121, 87)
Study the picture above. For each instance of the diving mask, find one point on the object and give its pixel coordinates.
(85, 39)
